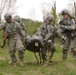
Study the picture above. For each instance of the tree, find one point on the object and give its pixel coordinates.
(72, 7)
(7, 6)
(11, 6)
(32, 14)
(2, 7)
(46, 8)
(53, 12)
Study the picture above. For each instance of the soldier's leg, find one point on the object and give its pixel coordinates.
(44, 56)
(21, 56)
(63, 40)
(65, 54)
(20, 48)
(74, 53)
(73, 47)
(65, 48)
(51, 49)
(12, 51)
(23, 41)
(49, 45)
(52, 53)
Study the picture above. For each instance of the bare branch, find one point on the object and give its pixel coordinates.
(7, 6)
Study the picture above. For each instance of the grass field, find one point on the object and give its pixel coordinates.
(58, 67)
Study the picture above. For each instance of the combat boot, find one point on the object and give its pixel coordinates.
(21, 63)
(49, 54)
(12, 63)
(45, 63)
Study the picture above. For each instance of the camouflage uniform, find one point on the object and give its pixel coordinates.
(18, 19)
(14, 41)
(48, 33)
(42, 31)
(51, 42)
(68, 28)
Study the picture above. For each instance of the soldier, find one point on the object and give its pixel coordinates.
(67, 24)
(18, 19)
(48, 31)
(51, 42)
(14, 42)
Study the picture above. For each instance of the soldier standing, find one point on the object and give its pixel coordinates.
(14, 42)
(67, 24)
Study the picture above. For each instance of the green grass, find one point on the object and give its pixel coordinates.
(58, 67)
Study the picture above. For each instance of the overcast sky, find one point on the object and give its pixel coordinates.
(27, 6)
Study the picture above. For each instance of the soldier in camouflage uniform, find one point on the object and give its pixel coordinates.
(14, 42)
(68, 29)
(48, 31)
(19, 20)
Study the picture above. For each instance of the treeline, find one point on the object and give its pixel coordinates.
(31, 25)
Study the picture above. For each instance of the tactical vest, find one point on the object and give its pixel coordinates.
(10, 29)
(66, 31)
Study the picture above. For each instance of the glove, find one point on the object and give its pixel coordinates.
(44, 41)
(63, 27)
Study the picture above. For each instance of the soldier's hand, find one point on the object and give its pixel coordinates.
(63, 27)
(44, 41)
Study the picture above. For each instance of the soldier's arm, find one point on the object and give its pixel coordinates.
(56, 31)
(71, 26)
(61, 24)
(40, 29)
(23, 27)
(20, 30)
(47, 36)
(61, 27)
